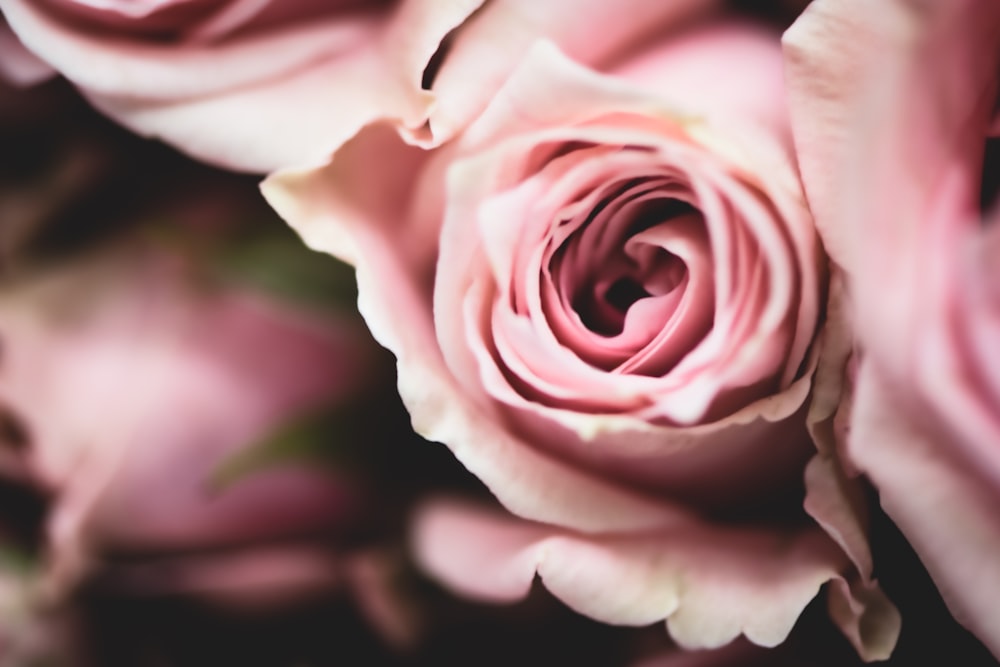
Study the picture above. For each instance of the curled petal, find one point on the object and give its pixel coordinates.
(891, 111)
(270, 98)
(945, 509)
(491, 45)
(876, 143)
(710, 584)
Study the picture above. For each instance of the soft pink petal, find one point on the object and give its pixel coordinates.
(834, 495)
(262, 100)
(945, 509)
(550, 91)
(710, 584)
(724, 71)
(121, 66)
(837, 503)
(887, 102)
(490, 46)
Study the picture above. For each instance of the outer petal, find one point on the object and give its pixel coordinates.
(259, 101)
(945, 509)
(711, 584)
(891, 109)
(887, 102)
(834, 496)
(489, 47)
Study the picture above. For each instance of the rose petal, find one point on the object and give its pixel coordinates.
(875, 143)
(834, 496)
(711, 584)
(945, 509)
(891, 113)
(491, 45)
(270, 99)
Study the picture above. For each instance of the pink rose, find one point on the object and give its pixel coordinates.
(892, 106)
(127, 391)
(603, 296)
(246, 84)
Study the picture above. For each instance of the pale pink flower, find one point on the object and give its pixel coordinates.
(603, 296)
(130, 389)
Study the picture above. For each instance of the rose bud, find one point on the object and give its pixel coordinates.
(604, 295)
(135, 389)
(893, 106)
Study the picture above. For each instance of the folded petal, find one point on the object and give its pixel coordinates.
(888, 102)
(945, 508)
(490, 46)
(710, 583)
(258, 99)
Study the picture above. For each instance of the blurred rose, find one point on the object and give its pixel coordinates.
(892, 106)
(128, 390)
(603, 296)
(246, 84)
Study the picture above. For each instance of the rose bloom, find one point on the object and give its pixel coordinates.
(604, 296)
(126, 389)
(893, 104)
(245, 84)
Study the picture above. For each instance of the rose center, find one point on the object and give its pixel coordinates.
(603, 308)
(630, 268)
